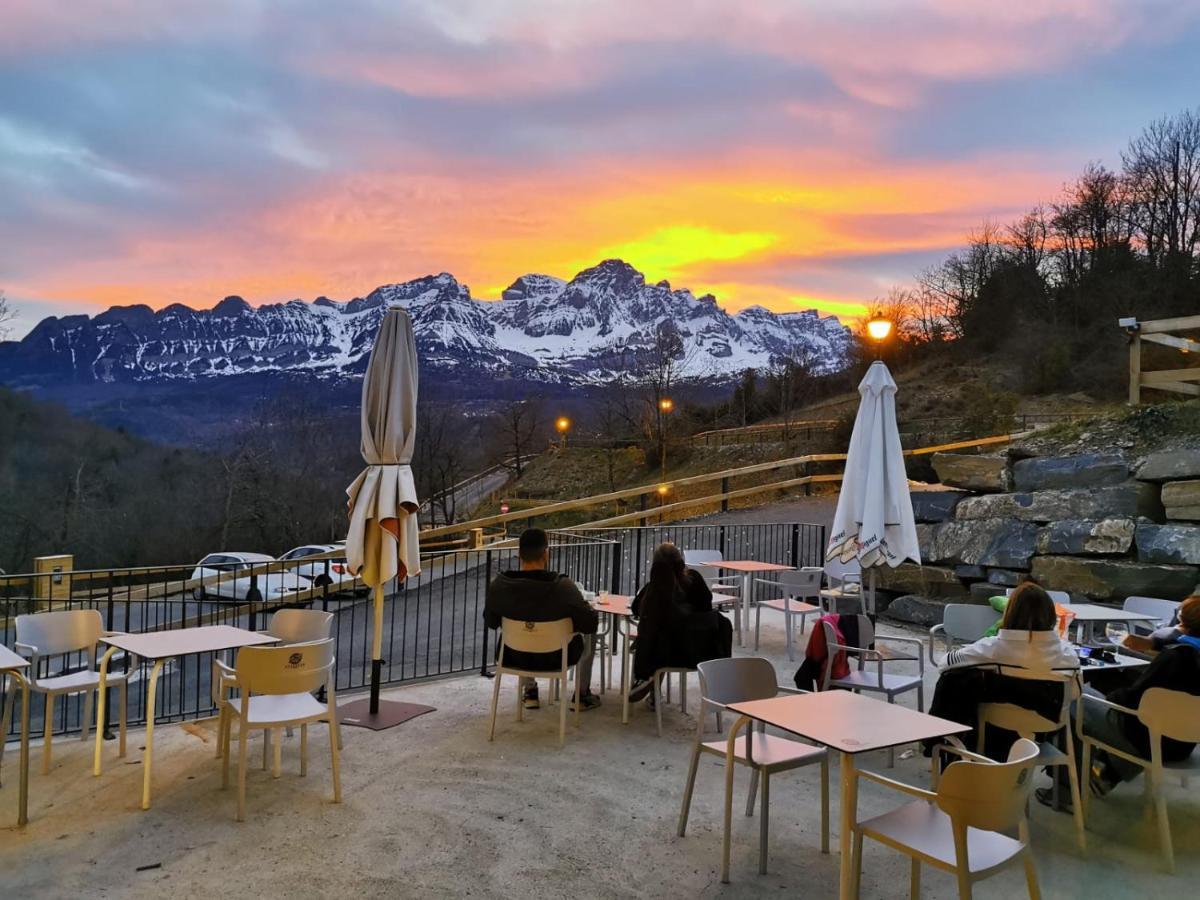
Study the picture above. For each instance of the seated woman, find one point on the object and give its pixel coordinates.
(1028, 637)
(677, 625)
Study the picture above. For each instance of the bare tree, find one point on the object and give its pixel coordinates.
(519, 422)
(7, 314)
(1162, 169)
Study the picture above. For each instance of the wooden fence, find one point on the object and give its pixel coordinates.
(1165, 333)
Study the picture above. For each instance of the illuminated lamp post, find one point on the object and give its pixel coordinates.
(562, 425)
(665, 405)
(879, 329)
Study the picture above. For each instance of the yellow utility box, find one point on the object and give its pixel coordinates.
(53, 581)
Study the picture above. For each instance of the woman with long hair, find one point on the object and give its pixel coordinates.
(1028, 636)
(677, 625)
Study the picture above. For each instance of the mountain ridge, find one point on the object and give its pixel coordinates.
(543, 329)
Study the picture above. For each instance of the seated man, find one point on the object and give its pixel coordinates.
(1176, 668)
(534, 593)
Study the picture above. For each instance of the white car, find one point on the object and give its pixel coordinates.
(272, 586)
(320, 572)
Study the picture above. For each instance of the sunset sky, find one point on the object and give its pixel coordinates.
(793, 154)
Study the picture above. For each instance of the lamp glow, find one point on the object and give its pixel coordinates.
(879, 328)
(666, 404)
(562, 424)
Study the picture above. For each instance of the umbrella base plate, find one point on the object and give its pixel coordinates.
(391, 713)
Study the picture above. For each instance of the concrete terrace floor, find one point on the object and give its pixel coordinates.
(432, 809)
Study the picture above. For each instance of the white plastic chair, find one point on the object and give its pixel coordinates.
(51, 634)
(796, 587)
(702, 561)
(1028, 724)
(843, 580)
(878, 681)
(958, 827)
(1165, 713)
(1163, 610)
(275, 689)
(739, 680)
(962, 622)
(291, 626)
(536, 637)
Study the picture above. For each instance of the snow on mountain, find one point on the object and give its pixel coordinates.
(543, 328)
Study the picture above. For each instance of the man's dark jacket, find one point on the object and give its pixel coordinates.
(539, 596)
(1177, 669)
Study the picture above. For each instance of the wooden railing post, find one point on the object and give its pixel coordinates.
(1135, 369)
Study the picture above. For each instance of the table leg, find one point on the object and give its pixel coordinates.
(23, 775)
(730, 763)
(849, 813)
(102, 700)
(747, 587)
(151, 691)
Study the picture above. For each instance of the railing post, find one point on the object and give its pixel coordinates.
(487, 580)
(616, 568)
(795, 560)
(721, 539)
(725, 490)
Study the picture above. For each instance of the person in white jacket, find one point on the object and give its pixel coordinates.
(1028, 637)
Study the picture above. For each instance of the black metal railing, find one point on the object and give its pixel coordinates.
(432, 623)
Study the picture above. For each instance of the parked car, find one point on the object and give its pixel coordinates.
(321, 572)
(271, 586)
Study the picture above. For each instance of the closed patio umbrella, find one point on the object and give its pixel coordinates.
(383, 542)
(874, 518)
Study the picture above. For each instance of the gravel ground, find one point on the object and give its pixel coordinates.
(432, 809)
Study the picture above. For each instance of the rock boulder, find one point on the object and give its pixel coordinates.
(1082, 471)
(1168, 544)
(1103, 537)
(928, 581)
(974, 473)
(1181, 499)
(1110, 579)
(1170, 465)
(981, 542)
(935, 505)
(1112, 501)
(916, 609)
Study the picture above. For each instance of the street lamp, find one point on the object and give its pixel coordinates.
(562, 425)
(879, 328)
(665, 405)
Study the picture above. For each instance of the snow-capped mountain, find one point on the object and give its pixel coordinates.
(542, 329)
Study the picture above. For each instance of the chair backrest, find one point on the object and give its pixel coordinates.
(866, 632)
(804, 582)
(65, 631)
(700, 557)
(990, 796)
(301, 626)
(1172, 714)
(294, 669)
(536, 637)
(1060, 597)
(1026, 722)
(838, 571)
(738, 679)
(968, 621)
(1164, 610)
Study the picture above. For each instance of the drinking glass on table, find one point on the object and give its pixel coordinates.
(1116, 632)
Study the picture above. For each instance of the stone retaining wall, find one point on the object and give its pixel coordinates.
(1092, 525)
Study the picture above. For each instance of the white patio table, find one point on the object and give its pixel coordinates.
(747, 568)
(1088, 615)
(843, 721)
(12, 664)
(159, 646)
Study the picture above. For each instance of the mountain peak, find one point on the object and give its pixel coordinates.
(230, 307)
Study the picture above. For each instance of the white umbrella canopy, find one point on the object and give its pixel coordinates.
(874, 519)
(383, 541)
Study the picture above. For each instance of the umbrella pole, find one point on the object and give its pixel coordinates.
(377, 651)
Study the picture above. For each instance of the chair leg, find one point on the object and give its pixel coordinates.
(10, 696)
(757, 622)
(825, 805)
(335, 759)
(578, 695)
(243, 747)
(658, 703)
(787, 636)
(753, 793)
(562, 712)
(687, 790)
(1076, 801)
(277, 763)
(48, 734)
(221, 714)
(920, 698)
(266, 748)
(121, 719)
(764, 816)
(964, 883)
(88, 700)
(683, 692)
(225, 747)
(1086, 768)
(1031, 878)
(914, 879)
(303, 750)
(495, 702)
(521, 702)
(1164, 823)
